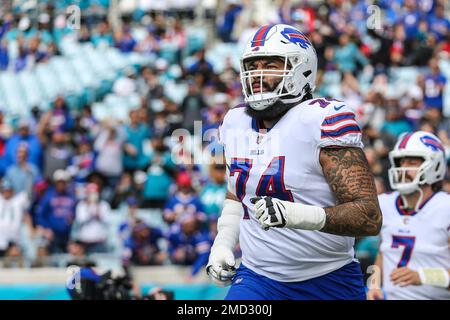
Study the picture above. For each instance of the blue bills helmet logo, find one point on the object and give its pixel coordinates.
(296, 37)
(432, 143)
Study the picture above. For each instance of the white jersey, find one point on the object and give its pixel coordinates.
(12, 212)
(284, 163)
(415, 240)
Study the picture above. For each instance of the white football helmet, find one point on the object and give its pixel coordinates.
(300, 65)
(417, 144)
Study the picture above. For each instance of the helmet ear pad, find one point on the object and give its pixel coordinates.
(303, 77)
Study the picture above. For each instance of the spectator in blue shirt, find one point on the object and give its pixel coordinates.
(201, 66)
(142, 248)
(410, 19)
(21, 60)
(225, 29)
(214, 117)
(434, 86)
(35, 54)
(188, 245)
(8, 21)
(24, 137)
(124, 41)
(184, 202)
(39, 191)
(56, 213)
(4, 57)
(59, 118)
(439, 24)
(24, 174)
(83, 163)
(126, 227)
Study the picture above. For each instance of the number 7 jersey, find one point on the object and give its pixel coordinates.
(415, 240)
(283, 162)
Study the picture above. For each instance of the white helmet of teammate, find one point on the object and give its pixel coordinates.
(300, 65)
(417, 144)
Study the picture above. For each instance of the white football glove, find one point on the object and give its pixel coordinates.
(220, 266)
(275, 213)
(270, 212)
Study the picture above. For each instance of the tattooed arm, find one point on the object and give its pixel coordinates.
(357, 213)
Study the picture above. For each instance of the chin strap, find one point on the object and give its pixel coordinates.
(418, 203)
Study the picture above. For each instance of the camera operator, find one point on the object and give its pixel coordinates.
(108, 286)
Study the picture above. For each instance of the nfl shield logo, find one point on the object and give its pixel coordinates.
(259, 138)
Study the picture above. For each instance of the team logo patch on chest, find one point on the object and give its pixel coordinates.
(259, 138)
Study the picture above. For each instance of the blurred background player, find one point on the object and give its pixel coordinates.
(414, 255)
(300, 187)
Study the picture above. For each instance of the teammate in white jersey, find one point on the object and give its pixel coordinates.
(299, 186)
(414, 256)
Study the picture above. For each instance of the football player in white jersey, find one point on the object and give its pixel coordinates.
(414, 256)
(299, 186)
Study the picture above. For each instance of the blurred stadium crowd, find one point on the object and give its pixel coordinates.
(87, 113)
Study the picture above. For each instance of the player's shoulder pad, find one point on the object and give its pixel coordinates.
(387, 202)
(442, 200)
(387, 195)
(336, 111)
(234, 113)
(325, 107)
(231, 121)
(338, 125)
(321, 103)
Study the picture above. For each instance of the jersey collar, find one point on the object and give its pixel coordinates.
(258, 125)
(403, 212)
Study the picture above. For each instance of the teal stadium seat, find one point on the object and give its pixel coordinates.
(196, 40)
(218, 55)
(49, 81)
(114, 57)
(101, 67)
(100, 111)
(32, 88)
(67, 75)
(168, 51)
(404, 74)
(14, 98)
(118, 107)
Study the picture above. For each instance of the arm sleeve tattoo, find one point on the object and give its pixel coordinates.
(357, 212)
